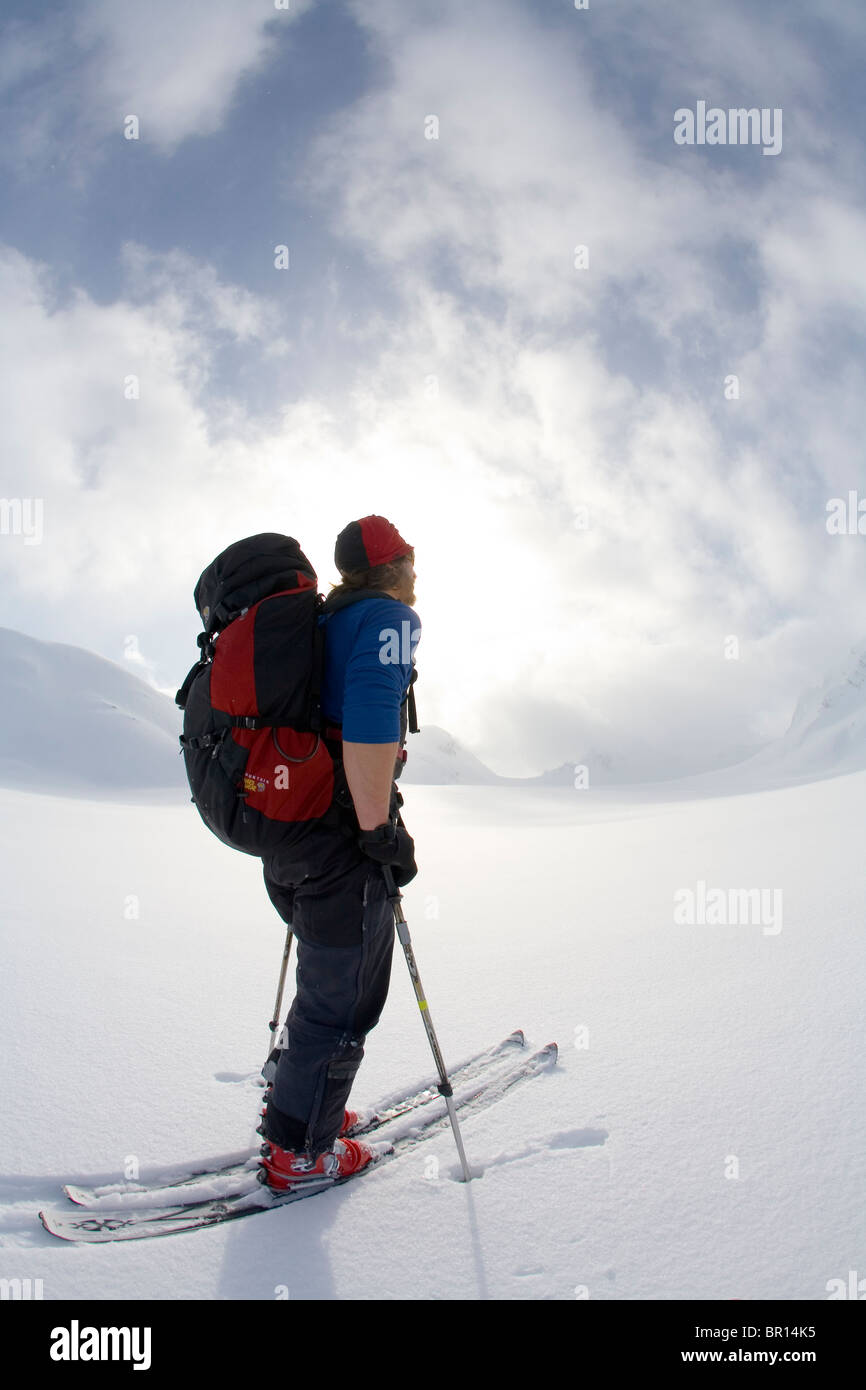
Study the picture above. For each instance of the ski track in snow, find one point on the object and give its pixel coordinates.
(566, 1140)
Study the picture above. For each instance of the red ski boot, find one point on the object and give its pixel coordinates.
(354, 1120)
(282, 1169)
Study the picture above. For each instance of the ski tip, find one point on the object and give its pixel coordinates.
(44, 1218)
(74, 1194)
(550, 1051)
(518, 1036)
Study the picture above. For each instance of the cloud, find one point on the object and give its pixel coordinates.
(535, 154)
(104, 420)
(176, 67)
(187, 296)
(485, 475)
(605, 387)
(143, 666)
(591, 515)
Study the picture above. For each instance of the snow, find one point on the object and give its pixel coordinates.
(827, 734)
(701, 1137)
(77, 724)
(550, 909)
(436, 758)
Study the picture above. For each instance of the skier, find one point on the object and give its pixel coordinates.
(326, 685)
(330, 887)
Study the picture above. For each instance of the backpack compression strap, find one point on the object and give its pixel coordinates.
(206, 649)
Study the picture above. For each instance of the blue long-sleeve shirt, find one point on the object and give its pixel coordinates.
(369, 647)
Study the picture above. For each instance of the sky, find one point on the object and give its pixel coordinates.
(606, 383)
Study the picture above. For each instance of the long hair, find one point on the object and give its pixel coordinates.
(379, 577)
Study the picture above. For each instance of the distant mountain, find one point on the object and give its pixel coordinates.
(827, 733)
(436, 758)
(76, 724)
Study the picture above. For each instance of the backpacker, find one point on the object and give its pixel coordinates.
(262, 763)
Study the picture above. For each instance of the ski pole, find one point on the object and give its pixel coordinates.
(444, 1086)
(278, 1003)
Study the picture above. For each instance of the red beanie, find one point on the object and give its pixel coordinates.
(369, 542)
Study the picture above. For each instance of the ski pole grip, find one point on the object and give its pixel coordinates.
(390, 885)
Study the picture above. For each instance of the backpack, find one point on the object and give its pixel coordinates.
(263, 765)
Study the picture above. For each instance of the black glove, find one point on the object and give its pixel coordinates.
(393, 845)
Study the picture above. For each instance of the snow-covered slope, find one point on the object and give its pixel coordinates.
(77, 725)
(436, 758)
(827, 734)
(74, 723)
(826, 738)
(701, 1137)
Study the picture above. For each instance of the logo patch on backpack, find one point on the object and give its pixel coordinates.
(254, 783)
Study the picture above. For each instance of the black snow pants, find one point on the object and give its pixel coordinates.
(335, 901)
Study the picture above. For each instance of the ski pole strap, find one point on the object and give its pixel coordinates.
(392, 890)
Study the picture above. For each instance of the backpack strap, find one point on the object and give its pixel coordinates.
(318, 668)
(413, 713)
(212, 741)
(335, 601)
(205, 646)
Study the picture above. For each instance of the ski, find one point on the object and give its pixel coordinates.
(244, 1195)
(391, 1107)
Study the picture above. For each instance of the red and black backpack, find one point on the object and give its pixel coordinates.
(262, 763)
